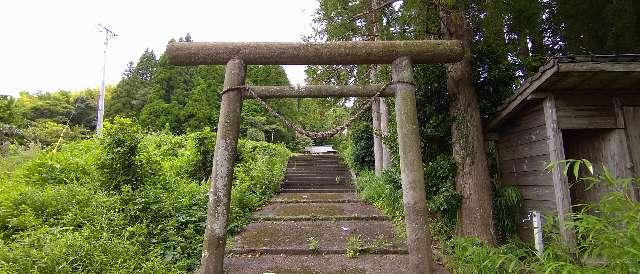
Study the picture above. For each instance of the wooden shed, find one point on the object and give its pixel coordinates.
(578, 107)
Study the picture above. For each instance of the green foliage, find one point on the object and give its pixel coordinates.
(56, 106)
(598, 27)
(442, 199)
(384, 192)
(471, 255)
(205, 143)
(257, 177)
(361, 149)
(119, 166)
(313, 244)
(355, 246)
(507, 202)
(8, 110)
(255, 134)
(48, 133)
(58, 212)
(132, 92)
(606, 232)
(14, 156)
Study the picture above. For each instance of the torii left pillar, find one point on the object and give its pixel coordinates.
(222, 171)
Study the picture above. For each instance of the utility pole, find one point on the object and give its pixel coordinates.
(108, 35)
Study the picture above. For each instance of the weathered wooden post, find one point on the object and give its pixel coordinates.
(413, 193)
(222, 171)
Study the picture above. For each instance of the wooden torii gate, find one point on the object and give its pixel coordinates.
(400, 54)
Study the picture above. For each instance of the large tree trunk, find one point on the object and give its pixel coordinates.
(475, 217)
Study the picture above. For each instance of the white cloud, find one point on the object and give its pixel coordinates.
(50, 45)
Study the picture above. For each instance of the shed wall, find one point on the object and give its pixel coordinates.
(522, 156)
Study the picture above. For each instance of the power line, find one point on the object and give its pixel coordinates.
(108, 35)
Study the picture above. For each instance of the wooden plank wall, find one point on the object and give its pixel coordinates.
(632, 123)
(602, 111)
(586, 111)
(523, 153)
(604, 147)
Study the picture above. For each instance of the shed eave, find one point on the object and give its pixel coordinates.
(514, 103)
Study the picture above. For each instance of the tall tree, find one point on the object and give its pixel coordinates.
(8, 110)
(373, 30)
(599, 27)
(133, 91)
(475, 217)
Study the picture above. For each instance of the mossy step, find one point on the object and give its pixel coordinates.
(330, 172)
(308, 251)
(314, 185)
(328, 210)
(316, 176)
(321, 218)
(315, 198)
(317, 264)
(317, 180)
(328, 235)
(307, 190)
(319, 172)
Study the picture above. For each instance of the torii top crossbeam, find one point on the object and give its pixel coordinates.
(299, 53)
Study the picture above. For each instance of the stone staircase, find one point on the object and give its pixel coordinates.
(313, 224)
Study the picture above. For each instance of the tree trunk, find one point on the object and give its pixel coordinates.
(384, 130)
(475, 216)
(378, 146)
(377, 142)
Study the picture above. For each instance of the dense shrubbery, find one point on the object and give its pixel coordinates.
(385, 192)
(607, 234)
(125, 202)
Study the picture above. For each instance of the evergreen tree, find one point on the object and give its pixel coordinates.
(8, 110)
(133, 91)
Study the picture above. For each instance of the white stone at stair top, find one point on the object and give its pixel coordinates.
(320, 149)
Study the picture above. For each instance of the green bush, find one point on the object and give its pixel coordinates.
(443, 200)
(257, 176)
(49, 133)
(361, 148)
(255, 134)
(118, 165)
(124, 202)
(607, 234)
(385, 192)
(507, 202)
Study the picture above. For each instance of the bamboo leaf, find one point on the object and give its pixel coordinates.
(576, 168)
(589, 165)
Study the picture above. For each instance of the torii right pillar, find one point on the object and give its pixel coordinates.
(414, 196)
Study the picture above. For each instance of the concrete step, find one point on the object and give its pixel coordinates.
(328, 190)
(318, 264)
(320, 218)
(315, 198)
(358, 210)
(313, 171)
(316, 181)
(314, 186)
(318, 171)
(292, 165)
(293, 237)
(318, 176)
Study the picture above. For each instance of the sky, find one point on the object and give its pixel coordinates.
(51, 45)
